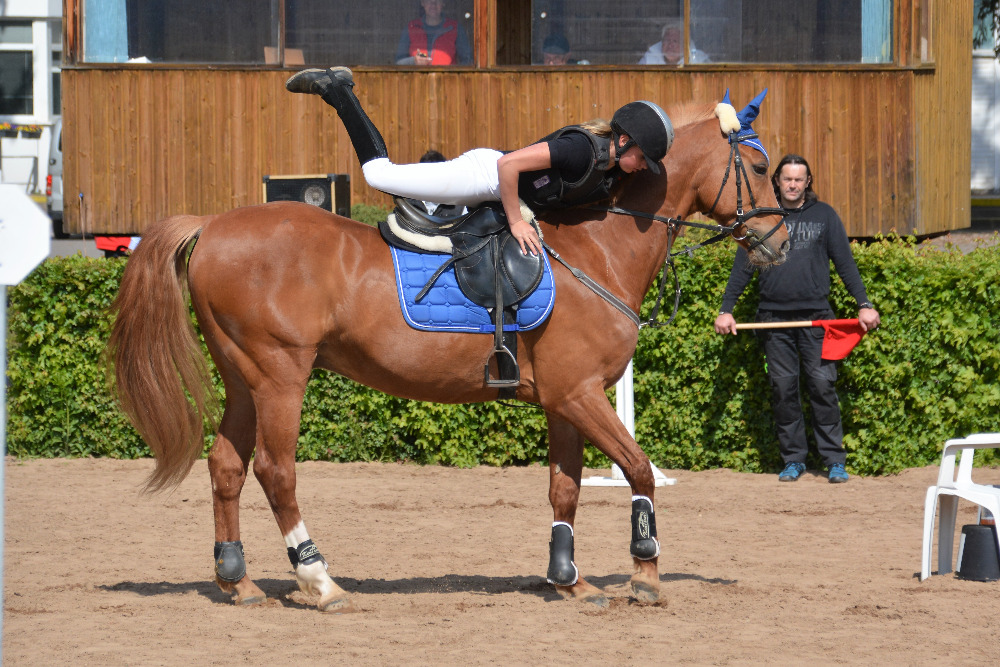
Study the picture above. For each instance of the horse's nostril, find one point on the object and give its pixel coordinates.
(786, 246)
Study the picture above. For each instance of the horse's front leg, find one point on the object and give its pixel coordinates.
(279, 410)
(565, 469)
(591, 414)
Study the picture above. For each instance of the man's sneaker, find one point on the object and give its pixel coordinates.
(792, 472)
(837, 474)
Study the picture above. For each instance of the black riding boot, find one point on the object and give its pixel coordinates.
(335, 87)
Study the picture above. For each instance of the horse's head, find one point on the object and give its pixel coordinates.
(717, 166)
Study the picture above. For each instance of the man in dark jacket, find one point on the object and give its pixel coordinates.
(799, 290)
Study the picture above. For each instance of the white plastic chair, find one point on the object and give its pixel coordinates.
(950, 487)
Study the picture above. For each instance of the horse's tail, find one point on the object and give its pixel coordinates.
(160, 375)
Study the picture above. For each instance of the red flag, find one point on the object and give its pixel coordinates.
(113, 243)
(840, 337)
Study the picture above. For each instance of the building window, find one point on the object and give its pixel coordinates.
(180, 31)
(985, 102)
(313, 32)
(16, 69)
(720, 31)
(381, 32)
(55, 39)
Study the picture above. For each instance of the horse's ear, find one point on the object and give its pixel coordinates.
(725, 98)
(750, 111)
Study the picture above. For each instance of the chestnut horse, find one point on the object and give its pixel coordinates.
(282, 288)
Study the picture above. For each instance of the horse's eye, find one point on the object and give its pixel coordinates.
(760, 169)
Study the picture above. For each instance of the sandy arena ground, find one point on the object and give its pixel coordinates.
(446, 566)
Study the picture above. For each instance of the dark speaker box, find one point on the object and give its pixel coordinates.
(328, 191)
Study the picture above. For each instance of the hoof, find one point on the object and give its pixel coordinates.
(645, 583)
(337, 604)
(600, 600)
(595, 596)
(582, 591)
(249, 600)
(644, 592)
(245, 592)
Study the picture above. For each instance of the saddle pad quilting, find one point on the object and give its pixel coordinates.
(446, 308)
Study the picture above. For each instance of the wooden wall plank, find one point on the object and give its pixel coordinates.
(158, 142)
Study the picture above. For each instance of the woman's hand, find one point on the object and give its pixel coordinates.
(509, 169)
(526, 237)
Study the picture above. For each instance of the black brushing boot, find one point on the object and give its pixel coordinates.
(335, 86)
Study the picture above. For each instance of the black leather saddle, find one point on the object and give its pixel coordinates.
(489, 266)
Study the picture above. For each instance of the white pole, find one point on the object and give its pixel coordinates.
(3, 437)
(623, 400)
(625, 407)
(24, 242)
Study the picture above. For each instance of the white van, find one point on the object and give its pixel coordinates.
(54, 181)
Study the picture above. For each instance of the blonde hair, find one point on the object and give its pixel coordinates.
(598, 126)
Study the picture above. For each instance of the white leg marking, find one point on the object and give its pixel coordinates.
(297, 535)
(313, 578)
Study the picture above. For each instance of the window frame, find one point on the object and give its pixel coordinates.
(39, 52)
(501, 39)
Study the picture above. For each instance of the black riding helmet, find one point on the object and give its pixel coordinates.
(648, 127)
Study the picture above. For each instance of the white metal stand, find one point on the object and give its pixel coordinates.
(626, 412)
(24, 242)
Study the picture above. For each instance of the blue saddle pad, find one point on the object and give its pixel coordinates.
(446, 308)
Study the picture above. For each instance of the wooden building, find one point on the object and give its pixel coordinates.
(889, 141)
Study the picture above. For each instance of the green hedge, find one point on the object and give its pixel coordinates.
(702, 400)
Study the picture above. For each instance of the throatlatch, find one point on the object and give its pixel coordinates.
(229, 562)
(644, 545)
(562, 570)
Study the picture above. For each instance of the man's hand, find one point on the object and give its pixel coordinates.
(725, 323)
(868, 319)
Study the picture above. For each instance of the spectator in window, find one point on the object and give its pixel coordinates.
(433, 208)
(433, 39)
(670, 49)
(555, 51)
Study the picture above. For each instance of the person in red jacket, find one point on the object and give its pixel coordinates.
(433, 39)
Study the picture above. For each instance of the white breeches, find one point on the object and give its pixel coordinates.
(469, 179)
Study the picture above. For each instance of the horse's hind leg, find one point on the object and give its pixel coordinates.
(279, 409)
(227, 465)
(565, 469)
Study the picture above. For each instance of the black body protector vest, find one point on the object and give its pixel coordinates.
(546, 188)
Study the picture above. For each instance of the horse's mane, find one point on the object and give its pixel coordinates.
(688, 113)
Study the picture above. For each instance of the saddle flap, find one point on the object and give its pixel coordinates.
(519, 274)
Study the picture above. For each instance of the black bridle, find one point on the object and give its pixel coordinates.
(722, 232)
